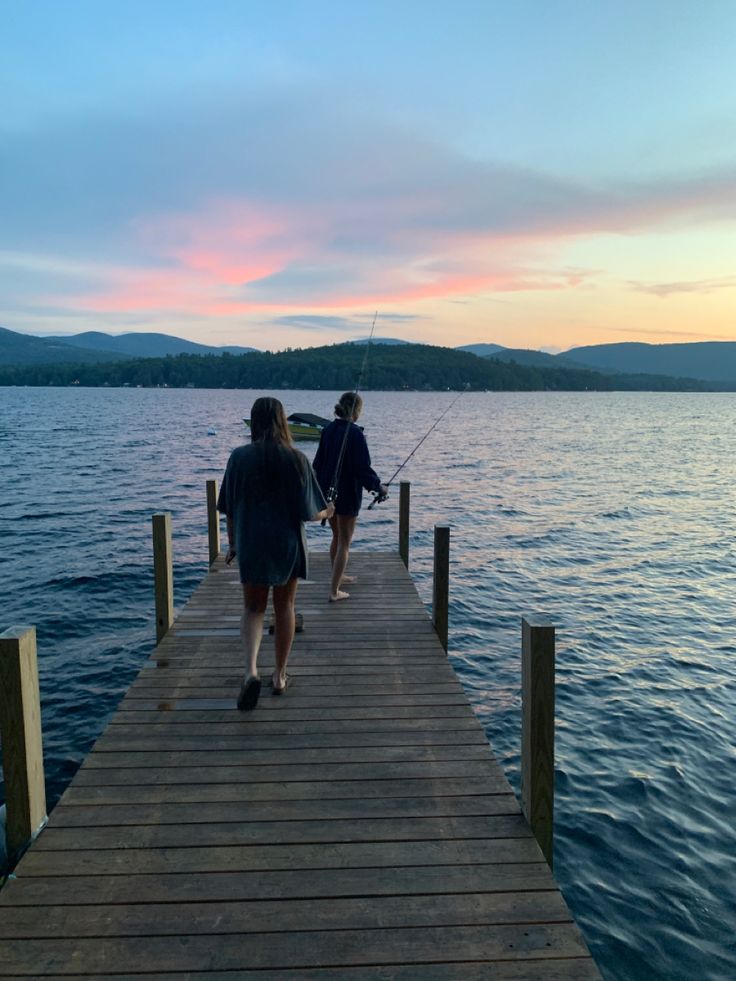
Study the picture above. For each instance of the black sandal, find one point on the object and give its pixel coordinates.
(250, 692)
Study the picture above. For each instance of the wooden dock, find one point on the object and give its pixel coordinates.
(356, 828)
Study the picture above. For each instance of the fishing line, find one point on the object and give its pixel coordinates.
(382, 497)
(332, 490)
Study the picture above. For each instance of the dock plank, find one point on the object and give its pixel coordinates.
(357, 828)
(278, 916)
(297, 949)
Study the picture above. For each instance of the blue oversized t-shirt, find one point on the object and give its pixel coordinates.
(268, 502)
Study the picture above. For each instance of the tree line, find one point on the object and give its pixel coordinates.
(412, 367)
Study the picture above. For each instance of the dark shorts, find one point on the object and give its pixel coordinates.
(300, 570)
(349, 501)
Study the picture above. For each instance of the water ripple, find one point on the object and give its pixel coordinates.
(612, 513)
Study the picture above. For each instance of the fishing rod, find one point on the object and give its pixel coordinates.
(379, 498)
(332, 489)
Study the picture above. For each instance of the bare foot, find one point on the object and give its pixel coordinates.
(348, 579)
(279, 682)
(339, 595)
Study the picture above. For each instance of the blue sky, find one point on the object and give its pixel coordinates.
(536, 174)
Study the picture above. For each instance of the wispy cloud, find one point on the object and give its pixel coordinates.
(691, 334)
(664, 290)
(311, 322)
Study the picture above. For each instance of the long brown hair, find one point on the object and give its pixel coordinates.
(350, 404)
(278, 460)
(268, 422)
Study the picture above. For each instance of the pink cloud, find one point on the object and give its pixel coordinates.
(203, 283)
(198, 259)
(230, 257)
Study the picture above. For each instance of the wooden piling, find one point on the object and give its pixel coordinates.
(213, 520)
(404, 497)
(20, 727)
(163, 574)
(441, 582)
(538, 729)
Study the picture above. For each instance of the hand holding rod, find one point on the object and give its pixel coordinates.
(331, 497)
(378, 498)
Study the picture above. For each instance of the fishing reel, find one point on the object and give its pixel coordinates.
(378, 498)
(331, 497)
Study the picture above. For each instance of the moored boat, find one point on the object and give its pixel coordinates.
(304, 425)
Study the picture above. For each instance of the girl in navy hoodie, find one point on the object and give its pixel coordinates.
(348, 478)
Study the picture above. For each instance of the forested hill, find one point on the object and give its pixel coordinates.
(338, 366)
(709, 360)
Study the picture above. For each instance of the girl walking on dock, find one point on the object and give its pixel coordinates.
(269, 490)
(343, 467)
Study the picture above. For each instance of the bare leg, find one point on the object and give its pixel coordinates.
(255, 599)
(333, 543)
(333, 548)
(283, 633)
(345, 528)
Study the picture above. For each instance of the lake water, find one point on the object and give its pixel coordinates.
(613, 513)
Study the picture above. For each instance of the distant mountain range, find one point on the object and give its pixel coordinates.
(94, 346)
(538, 358)
(707, 360)
(482, 350)
(711, 361)
(23, 349)
(144, 345)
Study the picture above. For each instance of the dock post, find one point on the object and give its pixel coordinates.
(163, 573)
(213, 520)
(538, 729)
(20, 728)
(441, 582)
(404, 496)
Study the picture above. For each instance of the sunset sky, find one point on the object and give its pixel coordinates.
(535, 174)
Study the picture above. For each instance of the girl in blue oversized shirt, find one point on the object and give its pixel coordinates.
(269, 490)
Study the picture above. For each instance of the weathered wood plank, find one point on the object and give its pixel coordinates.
(358, 809)
(309, 680)
(135, 776)
(385, 674)
(191, 702)
(264, 832)
(298, 949)
(287, 709)
(253, 741)
(269, 916)
(488, 864)
(561, 969)
(319, 757)
(234, 723)
(293, 790)
(315, 660)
